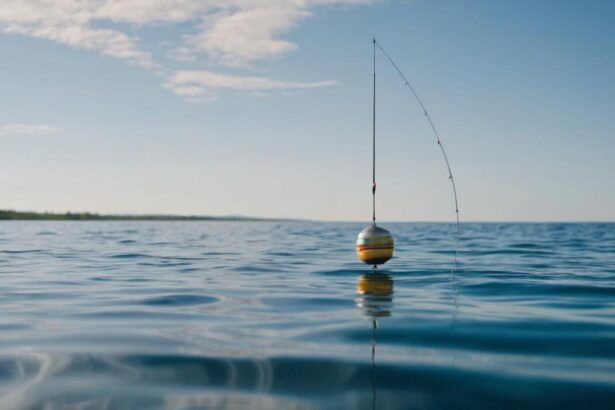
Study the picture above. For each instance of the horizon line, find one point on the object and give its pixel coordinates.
(170, 217)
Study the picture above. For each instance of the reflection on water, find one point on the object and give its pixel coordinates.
(375, 292)
(375, 301)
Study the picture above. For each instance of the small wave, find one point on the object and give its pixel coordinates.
(144, 256)
(126, 231)
(533, 289)
(23, 251)
(343, 272)
(130, 315)
(526, 245)
(257, 268)
(164, 263)
(179, 300)
(213, 253)
(524, 252)
(521, 337)
(307, 303)
(278, 253)
(129, 255)
(187, 270)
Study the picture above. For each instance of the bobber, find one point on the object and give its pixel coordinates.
(374, 245)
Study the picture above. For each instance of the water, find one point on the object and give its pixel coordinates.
(187, 315)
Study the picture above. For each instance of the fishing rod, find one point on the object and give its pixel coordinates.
(438, 141)
(365, 240)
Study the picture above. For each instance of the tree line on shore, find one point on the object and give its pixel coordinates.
(6, 214)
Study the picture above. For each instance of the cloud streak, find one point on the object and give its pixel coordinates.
(234, 33)
(14, 130)
(199, 85)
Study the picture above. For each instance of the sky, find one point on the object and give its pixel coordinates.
(263, 108)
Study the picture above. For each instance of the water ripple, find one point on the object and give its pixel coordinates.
(107, 315)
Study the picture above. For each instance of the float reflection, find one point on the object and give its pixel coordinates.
(375, 301)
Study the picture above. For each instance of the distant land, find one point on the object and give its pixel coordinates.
(87, 216)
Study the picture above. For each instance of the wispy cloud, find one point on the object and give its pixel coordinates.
(192, 83)
(68, 22)
(240, 37)
(10, 130)
(237, 33)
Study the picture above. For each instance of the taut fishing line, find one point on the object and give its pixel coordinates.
(439, 141)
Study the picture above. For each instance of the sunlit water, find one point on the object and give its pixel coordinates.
(187, 315)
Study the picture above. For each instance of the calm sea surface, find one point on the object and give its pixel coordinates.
(190, 315)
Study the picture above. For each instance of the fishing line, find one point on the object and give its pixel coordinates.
(374, 144)
(438, 140)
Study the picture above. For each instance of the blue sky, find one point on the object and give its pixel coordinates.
(263, 107)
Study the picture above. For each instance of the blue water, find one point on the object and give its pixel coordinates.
(190, 315)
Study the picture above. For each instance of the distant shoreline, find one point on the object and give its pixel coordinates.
(10, 215)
